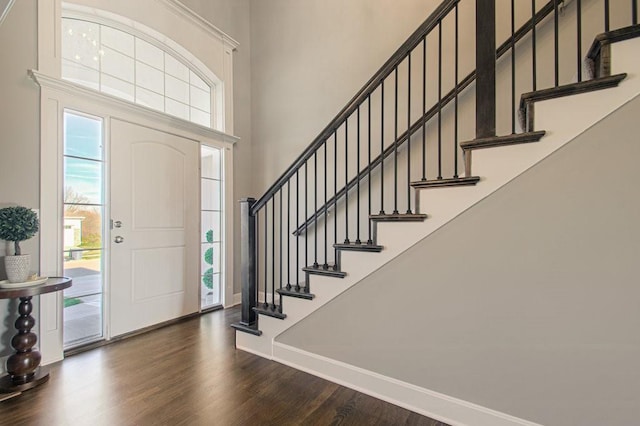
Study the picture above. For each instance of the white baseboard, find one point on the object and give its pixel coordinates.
(435, 405)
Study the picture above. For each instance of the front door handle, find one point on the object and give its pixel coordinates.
(118, 239)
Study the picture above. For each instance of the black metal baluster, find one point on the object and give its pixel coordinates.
(579, 36)
(409, 135)
(424, 108)
(346, 181)
(306, 215)
(280, 259)
(273, 253)
(266, 257)
(315, 208)
(606, 15)
(369, 240)
(335, 197)
(439, 100)
(513, 65)
(634, 12)
(326, 214)
(382, 148)
(455, 103)
(297, 286)
(358, 241)
(556, 46)
(533, 44)
(288, 236)
(395, 145)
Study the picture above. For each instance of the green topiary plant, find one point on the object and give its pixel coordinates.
(17, 224)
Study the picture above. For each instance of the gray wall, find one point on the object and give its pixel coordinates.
(526, 304)
(308, 59)
(20, 139)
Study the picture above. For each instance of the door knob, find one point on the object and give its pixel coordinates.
(118, 239)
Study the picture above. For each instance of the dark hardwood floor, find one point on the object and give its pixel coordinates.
(190, 374)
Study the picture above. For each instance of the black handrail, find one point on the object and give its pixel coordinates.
(429, 24)
(450, 96)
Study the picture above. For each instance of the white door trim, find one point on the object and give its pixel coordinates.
(55, 96)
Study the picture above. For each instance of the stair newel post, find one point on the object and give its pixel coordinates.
(485, 74)
(248, 253)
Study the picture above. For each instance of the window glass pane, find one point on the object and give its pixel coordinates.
(80, 74)
(149, 54)
(83, 179)
(118, 65)
(177, 89)
(177, 108)
(210, 194)
(210, 162)
(83, 136)
(211, 227)
(149, 99)
(200, 117)
(210, 257)
(211, 291)
(149, 78)
(200, 99)
(81, 43)
(116, 87)
(117, 40)
(176, 68)
(82, 226)
(197, 81)
(82, 318)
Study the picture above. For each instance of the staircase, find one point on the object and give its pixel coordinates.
(394, 165)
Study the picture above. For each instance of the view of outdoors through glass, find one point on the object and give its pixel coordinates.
(83, 228)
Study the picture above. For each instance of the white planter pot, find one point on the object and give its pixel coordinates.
(17, 267)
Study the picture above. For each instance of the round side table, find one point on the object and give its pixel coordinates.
(24, 365)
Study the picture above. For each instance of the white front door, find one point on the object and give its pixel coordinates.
(154, 271)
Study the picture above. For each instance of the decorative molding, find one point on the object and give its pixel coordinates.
(44, 80)
(429, 403)
(5, 10)
(183, 11)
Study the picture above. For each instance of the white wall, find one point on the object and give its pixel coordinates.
(526, 304)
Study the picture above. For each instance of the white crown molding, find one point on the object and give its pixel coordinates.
(44, 80)
(429, 403)
(4, 10)
(181, 10)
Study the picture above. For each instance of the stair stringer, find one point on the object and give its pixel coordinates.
(563, 119)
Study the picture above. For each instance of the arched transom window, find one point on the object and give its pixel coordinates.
(121, 64)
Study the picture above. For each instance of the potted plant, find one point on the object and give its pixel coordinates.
(17, 224)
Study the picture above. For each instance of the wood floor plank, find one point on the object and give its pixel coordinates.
(190, 374)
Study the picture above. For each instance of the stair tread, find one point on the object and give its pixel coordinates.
(359, 247)
(250, 329)
(526, 110)
(270, 310)
(614, 36)
(292, 292)
(327, 272)
(495, 141)
(572, 89)
(398, 217)
(440, 183)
